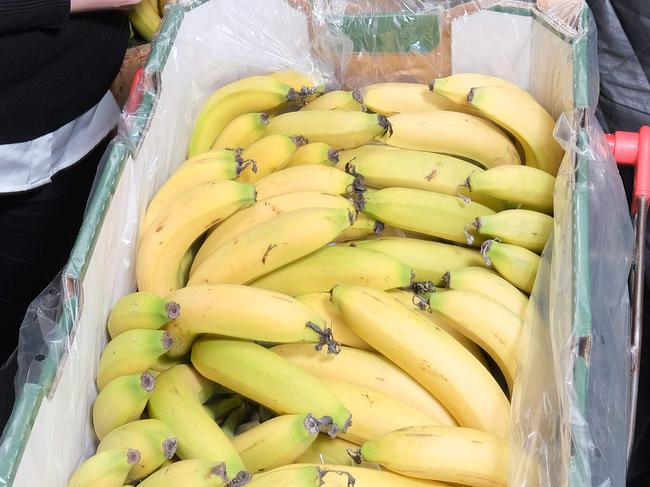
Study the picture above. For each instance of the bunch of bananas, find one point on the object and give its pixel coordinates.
(146, 16)
(331, 280)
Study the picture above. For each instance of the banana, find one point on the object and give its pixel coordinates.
(517, 111)
(335, 100)
(243, 131)
(265, 210)
(296, 476)
(338, 128)
(296, 79)
(459, 455)
(232, 421)
(490, 325)
(276, 442)
(363, 227)
(163, 246)
(244, 312)
(151, 437)
(271, 245)
(323, 269)
(305, 178)
(220, 409)
(197, 385)
(252, 94)
(527, 186)
(328, 450)
(106, 469)
(131, 352)
(434, 214)
(190, 473)
(419, 304)
(166, 362)
(314, 153)
(145, 20)
(270, 154)
(186, 262)
(137, 310)
(320, 304)
(175, 403)
(453, 133)
(383, 166)
(391, 98)
(516, 265)
(431, 356)
(457, 86)
(201, 169)
(122, 400)
(268, 379)
(429, 260)
(370, 371)
(526, 228)
(483, 281)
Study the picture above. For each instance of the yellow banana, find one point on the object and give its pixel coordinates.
(452, 133)
(527, 186)
(391, 98)
(270, 154)
(145, 20)
(517, 111)
(302, 82)
(429, 260)
(218, 410)
(137, 310)
(271, 245)
(431, 356)
(490, 325)
(457, 86)
(320, 304)
(243, 312)
(243, 131)
(151, 437)
(232, 421)
(338, 128)
(106, 469)
(335, 100)
(296, 476)
(174, 403)
(434, 214)
(186, 262)
(163, 246)
(166, 362)
(526, 228)
(372, 477)
(276, 442)
(323, 269)
(252, 94)
(190, 473)
(483, 281)
(459, 455)
(131, 352)
(383, 166)
(363, 227)
(515, 264)
(305, 178)
(314, 153)
(204, 168)
(368, 370)
(328, 450)
(121, 401)
(263, 211)
(420, 305)
(268, 379)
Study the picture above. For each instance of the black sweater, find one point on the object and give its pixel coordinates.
(54, 66)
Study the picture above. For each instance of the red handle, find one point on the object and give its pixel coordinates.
(632, 148)
(135, 95)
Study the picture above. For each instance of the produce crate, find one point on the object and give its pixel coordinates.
(570, 399)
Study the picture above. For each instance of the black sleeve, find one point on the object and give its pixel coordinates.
(21, 15)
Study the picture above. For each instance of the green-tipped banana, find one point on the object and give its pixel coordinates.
(219, 409)
(267, 378)
(314, 153)
(145, 20)
(121, 401)
(151, 437)
(323, 269)
(483, 281)
(232, 421)
(529, 187)
(243, 131)
(515, 264)
(191, 473)
(363, 227)
(526, 228)
(269, 154)
(457, 86)
(139, 310)
(335, 100)
(131, 352)
(106, 469)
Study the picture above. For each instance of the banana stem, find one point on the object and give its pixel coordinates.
(355, 455)
(326, 338)
(485, 248)
(378, 228)
(240, 479)
(147, 381)
(169, 448)
(423, 287)
(173, 310)
(323, 471)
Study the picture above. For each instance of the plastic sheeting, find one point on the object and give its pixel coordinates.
(568, 416)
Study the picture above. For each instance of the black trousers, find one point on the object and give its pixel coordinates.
(37, 231)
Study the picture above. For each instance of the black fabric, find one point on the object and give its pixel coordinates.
(624, 104)
(18, 15)
(51, 75)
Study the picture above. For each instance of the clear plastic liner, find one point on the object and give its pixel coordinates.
(568, 424)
